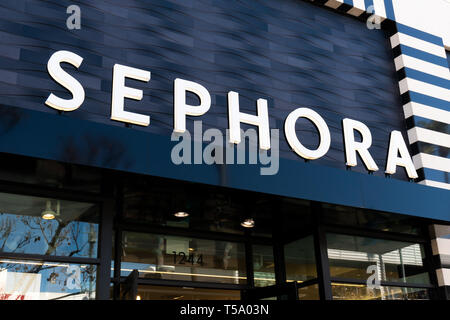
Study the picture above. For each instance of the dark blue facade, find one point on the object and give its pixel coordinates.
(292, 53)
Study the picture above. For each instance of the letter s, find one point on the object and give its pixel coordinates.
(66, 80)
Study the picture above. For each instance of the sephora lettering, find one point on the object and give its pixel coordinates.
(398, 154)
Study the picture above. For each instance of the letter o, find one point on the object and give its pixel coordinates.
(291, 135)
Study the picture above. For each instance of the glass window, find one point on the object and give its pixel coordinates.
(50, 173)
(296, 216)
(183, 258)
(309, 292)
(263, 266)
(300, 260)
(344, 291)
(34, 280)
(369, 219)
(360, 258)
(204, 208)
(150, 292)
(158, 202)
(35, 225)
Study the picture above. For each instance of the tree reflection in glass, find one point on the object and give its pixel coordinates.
(73, 233)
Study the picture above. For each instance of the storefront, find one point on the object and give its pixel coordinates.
(221, 150)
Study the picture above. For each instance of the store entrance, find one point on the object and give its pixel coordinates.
(196, 243)
(131, 290)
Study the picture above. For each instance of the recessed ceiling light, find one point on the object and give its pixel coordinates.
(248, 223)
(48, 213)
(181, 214)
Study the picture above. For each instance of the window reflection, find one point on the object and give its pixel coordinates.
(34, 280)
(55, 174)
(309, 292)
(156, 202)
(354, 257)
(343, 291)
(35, 225)
(369, 219)
(300, 260)
(263, 266)
(183, 258)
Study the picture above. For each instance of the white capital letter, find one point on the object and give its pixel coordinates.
(235, 117)
(352, 147)
(397, 145)
(294, 143)
(120, 92)
(66, 80)
(181, 109)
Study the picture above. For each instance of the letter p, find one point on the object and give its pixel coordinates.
(181, 109)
